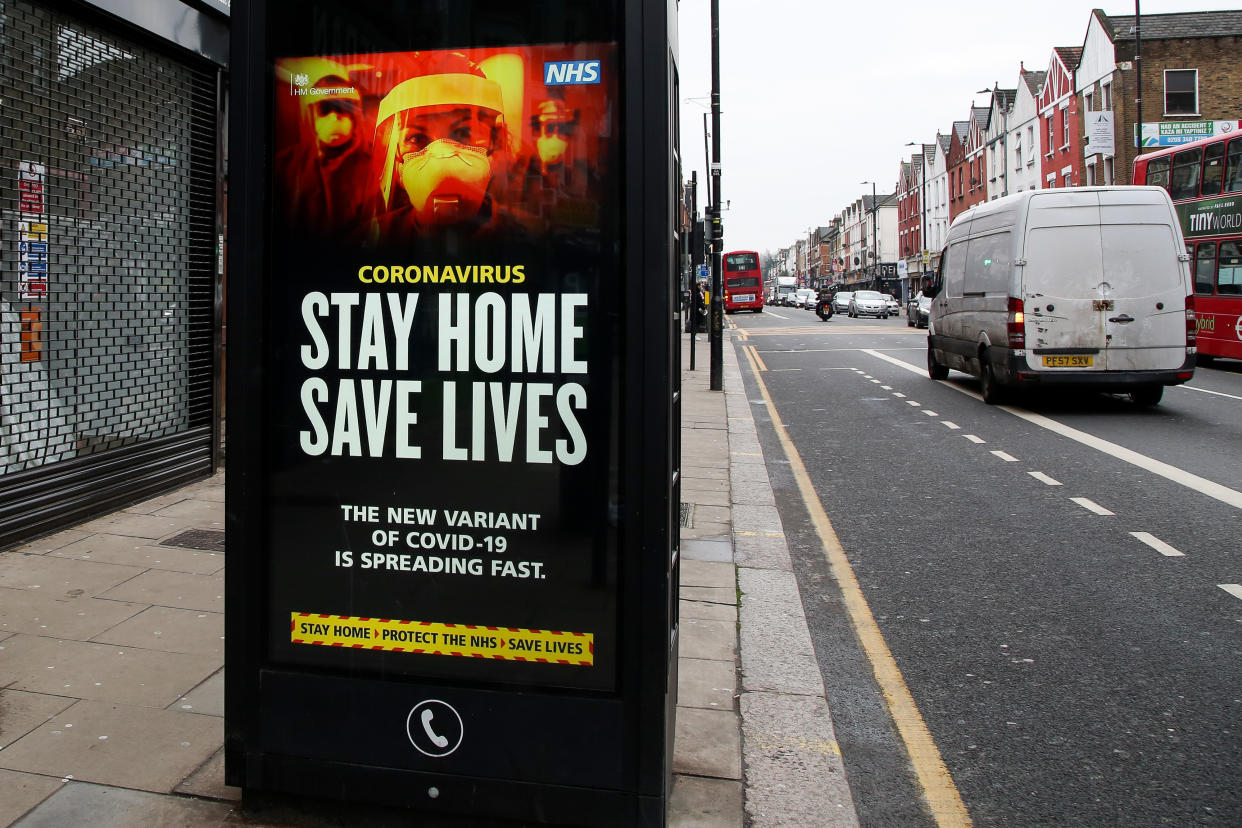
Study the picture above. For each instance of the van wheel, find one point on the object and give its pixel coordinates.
(934, 369)
(992, 391)
(1147, 395)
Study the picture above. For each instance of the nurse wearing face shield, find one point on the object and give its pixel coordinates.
(438, 136)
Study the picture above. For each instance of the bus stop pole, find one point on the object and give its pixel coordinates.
(716, 382)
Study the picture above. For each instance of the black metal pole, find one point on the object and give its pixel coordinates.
(692, 307)
(717, 323)
(1138, 68)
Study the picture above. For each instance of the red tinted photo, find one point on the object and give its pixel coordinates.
(383, 148)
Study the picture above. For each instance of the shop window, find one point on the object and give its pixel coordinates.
(1181, 92)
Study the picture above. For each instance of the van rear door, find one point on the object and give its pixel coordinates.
(1062, 282)
(1145, 320)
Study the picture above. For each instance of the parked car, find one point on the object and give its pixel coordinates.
(841, 304)
(804, 298)
(894, 307)
(868, 303)
(917, 311)
(1087, 287)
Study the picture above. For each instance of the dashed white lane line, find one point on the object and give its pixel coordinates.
(913, 403)
(1091, 506)
(930, 413)
(887, 387)
(1158, 545)
(972, 438)
(1212, 489)
(899, 395)
(951, 426)
(1008, 458)
(1233, 589)
(877, 382)
(1045, 479)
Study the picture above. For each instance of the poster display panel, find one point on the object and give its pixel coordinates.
(442, 338)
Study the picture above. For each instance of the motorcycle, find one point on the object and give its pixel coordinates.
(823, 309)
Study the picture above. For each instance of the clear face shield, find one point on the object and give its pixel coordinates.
(439, 133)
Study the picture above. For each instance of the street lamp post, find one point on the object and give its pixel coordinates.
(875, 237)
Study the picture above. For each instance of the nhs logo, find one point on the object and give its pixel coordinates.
(565, 72)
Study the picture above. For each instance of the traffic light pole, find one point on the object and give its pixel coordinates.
(716, 381)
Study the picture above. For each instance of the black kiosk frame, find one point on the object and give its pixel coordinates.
(453, 496)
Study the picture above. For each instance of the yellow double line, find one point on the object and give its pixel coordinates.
(938, 788)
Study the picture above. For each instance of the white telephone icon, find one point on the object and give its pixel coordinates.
(438, 740)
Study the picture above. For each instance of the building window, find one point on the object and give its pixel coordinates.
(1181, 92)
(1065, 132)
(1091, 174)
(1108, 97)
(1065, 180)
(1088, 100)
(1108, 170)
(1052, 130)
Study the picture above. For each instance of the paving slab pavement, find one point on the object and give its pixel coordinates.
(111, 656)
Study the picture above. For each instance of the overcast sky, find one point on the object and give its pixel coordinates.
(817, 97)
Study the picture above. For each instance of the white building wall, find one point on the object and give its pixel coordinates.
(1098, 65)
(937, 200)
(1023, 141)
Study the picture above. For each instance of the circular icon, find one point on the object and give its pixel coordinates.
(1237, 327)
(434, 728)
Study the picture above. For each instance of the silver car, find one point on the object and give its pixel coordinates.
(841, 302)
(868, 303)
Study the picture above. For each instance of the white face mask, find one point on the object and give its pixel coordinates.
(551, 148)
(446, 182)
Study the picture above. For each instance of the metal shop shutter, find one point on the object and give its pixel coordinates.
(108, 274)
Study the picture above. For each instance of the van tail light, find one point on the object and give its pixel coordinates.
(1192, 327)
(1016, 326)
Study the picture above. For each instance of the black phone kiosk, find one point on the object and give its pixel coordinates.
(453, 501)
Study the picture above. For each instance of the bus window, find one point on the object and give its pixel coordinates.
(1205, 268)
(1184, 182)
(741, 261)
(1213, 169)
(1233, 167)
(1229, 280)
(1158, 171)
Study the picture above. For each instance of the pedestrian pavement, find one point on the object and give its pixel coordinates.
(112, 655)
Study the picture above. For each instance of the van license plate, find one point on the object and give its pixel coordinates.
(1068, 361)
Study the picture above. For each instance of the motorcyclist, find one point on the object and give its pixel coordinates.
(823, 305)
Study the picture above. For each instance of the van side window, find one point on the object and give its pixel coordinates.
(1229, 279)
(1205, 268)
(988, 262)
(1158, 171)
(1184, 181)
(954, 268)
(1233, 167)
(1213, 169)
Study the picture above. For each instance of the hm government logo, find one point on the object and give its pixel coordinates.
(300, 80)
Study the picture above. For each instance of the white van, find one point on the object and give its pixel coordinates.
(1086, 286)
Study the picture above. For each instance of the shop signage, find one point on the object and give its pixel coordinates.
(1173, 133)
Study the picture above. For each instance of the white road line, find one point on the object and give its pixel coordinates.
(899, 395)
(778, 316)
(1158, 545)
(1202, 485)
(1091, 506)
(1205, 391)
(778, 370)
(1008, 458)
(913, 403)
(950, 425)
(887, 387)
(877, 382)
(1045, 479)
(972, 438)
(1233, 589)
(930, 413)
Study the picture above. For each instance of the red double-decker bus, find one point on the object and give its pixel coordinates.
(743, 281)
(1205, 180)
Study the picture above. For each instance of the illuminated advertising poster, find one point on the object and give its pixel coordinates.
(441, 317)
